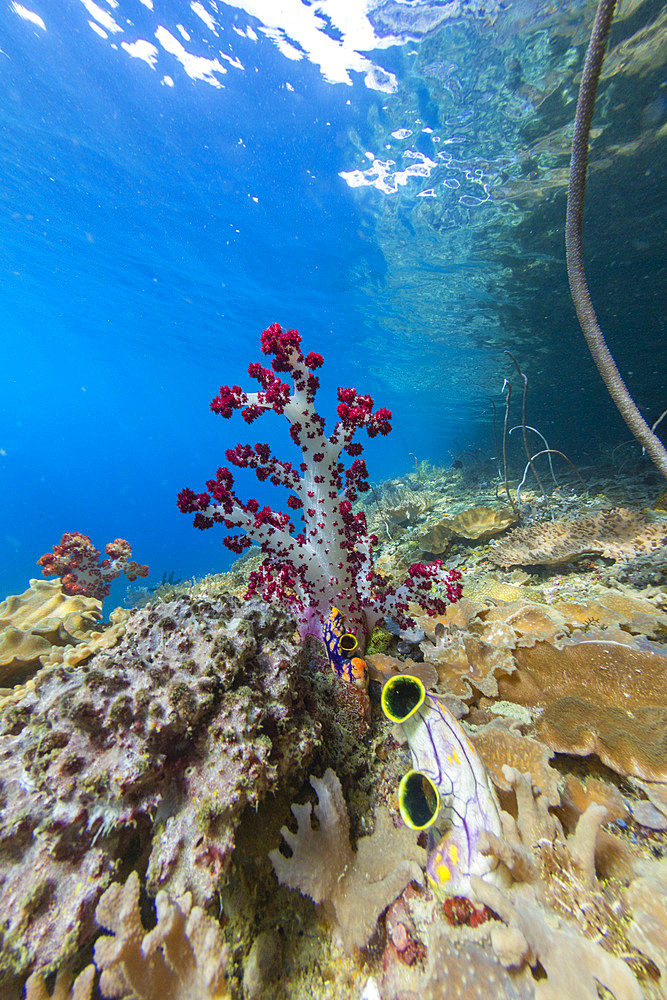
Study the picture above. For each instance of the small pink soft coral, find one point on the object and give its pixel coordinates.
(76, 560)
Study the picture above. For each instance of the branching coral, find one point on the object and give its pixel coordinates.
(355, 887)
(181, 958)
(329, 562)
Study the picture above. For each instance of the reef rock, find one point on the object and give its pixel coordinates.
(152, 748)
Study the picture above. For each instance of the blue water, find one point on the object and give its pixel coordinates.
(158, 213)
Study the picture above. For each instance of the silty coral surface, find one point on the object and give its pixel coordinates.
(153, 748)
(329, 561)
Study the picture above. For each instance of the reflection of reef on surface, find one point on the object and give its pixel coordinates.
(156, 754)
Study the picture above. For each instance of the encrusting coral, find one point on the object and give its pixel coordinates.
(354, 887)
(453, 968)
(436, 539)
(592, 680)
(616, 534)
(155, 746)
(465, 660)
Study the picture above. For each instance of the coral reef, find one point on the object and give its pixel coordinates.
(354, 886)
(644, 570)
(150, 746)
(76, 560)
(329, 562)
(559, 873)
(616, 534)
(585, 668)
(154, 747)
(597, 696)
(36, 621)
(466, 660)
(558, 917)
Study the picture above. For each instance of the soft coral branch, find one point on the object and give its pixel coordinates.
(76, 560)
(329, 561)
